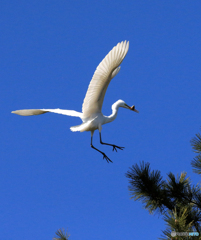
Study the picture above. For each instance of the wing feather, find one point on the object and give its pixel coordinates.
(106, 70)
(31, 112)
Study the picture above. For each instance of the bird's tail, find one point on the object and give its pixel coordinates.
(85, 126)
(78, 128)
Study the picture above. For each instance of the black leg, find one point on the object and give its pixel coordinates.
(104, 155)
(114, 146)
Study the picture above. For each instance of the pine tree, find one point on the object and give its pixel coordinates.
(61, 235)
(176, 198)
(196, 144)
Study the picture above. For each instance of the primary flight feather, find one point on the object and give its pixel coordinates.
(91, 115)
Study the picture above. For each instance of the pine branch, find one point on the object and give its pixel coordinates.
(148, 187)
(196, 164)
(176, 221)
(62, 235)
(176, 198)
(196, 145)
(179, 189)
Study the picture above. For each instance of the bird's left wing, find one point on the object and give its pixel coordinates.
(31, 112)
(106, 70)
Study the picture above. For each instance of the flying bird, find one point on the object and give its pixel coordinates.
(91, 114)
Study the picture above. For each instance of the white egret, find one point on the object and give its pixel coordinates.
(91, 115)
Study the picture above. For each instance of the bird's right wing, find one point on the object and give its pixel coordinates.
(106, 70)
(31, 112)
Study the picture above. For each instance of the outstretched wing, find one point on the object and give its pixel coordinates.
(106, 70)
(31, 112)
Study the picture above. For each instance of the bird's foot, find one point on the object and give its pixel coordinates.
(106, 158)
(115, 148)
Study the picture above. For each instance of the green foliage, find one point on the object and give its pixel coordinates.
(196, 143)
(147, 186)
(61, 235)
(196, 162)
(176, 220)
(177, 199)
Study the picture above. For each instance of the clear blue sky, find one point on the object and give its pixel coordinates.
(49, 50)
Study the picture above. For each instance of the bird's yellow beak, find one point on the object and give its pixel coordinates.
(133, 109)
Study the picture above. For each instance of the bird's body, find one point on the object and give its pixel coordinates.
(91, 114)
(96, 120)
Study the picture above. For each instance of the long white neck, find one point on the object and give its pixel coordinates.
(115, 108)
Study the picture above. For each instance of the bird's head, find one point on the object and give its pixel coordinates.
(121, 103)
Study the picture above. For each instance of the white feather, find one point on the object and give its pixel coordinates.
(105, 71)
(30, 112)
